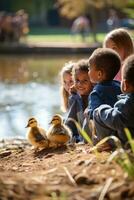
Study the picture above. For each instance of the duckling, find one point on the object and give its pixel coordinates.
(58, 133)
(36, 135)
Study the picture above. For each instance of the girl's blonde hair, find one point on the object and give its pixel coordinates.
(122, 39)
(67, 68)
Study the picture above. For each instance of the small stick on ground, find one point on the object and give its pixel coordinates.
(70, 177)
(105, 188)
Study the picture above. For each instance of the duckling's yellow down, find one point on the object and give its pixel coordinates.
(36, 135)
(58, 133)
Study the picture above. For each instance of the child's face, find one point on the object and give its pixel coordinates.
(111, 45)
(67, 81)
(125, 86)
(95, 75)
(82, 82)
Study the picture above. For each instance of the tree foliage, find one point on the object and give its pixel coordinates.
(71, 9)
(129, 9)
(31, 6)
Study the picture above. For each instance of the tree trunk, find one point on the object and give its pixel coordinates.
(94, 23)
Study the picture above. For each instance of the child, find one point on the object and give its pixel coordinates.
(79, 101)
(112, 120)
(66, 84)
(104, 64)
(120, 41)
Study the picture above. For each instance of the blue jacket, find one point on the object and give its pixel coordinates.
(103, 93)
(112, 121)
(76, 109)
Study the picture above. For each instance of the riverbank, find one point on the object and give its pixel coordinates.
(69, 173)
(49, 48)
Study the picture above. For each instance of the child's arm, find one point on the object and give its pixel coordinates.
(95, 101)
(109, 121)
(118, 117)
(110, 117)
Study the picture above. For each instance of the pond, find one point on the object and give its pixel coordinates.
(29, 86)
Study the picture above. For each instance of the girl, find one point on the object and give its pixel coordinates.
(66, 84)
(120, 41)
(78, 101)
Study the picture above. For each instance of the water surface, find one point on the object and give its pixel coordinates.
(29, 86)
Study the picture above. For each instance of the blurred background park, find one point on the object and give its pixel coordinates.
(51, 20)
(29, 84)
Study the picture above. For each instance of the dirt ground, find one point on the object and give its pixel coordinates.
(67, 173)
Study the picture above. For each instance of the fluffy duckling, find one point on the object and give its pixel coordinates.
(58, 133)
(36, 135)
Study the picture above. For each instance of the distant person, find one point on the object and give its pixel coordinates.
(2, 32)
(113, 20)
(112, 120)
(20, 25)
(81, 25)
(13, 26)
(121, 41)
(6, 28)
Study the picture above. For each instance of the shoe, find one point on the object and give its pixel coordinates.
(102, 147)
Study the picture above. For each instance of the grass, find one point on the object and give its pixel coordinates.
(62, 196)
(125, 158)
(39, 35)
(122, 157)
(61, 35)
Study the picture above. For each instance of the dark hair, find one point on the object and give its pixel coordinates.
(106, 60)
(128, 70)
(81, 65)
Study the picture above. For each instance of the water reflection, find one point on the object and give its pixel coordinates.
(29, 87)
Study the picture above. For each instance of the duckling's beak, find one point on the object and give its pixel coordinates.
(50, 122)
(27, 126)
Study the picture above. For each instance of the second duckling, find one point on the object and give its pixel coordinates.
(36, 135)
(58, 134)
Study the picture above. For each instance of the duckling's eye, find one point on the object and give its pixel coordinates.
(55, 119)
(32, 122)
(31, 119)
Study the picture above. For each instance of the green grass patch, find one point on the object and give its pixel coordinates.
(125, 158)
(38, 35)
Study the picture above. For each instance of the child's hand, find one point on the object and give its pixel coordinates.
(86, 114)
(72, 90)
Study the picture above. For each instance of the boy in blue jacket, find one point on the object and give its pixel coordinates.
(104, 64)
(110, 120)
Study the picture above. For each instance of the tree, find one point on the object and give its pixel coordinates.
(129, 9)
(37, 8)
(72, 9)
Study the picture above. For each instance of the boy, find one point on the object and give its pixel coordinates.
(104, 64)
(112, 120)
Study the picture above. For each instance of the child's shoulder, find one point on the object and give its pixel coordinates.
(116, 83)
(107, 84)
(107, 87)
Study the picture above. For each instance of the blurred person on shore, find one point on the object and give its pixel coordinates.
(13, 26)
(112, 21)
(81, 25)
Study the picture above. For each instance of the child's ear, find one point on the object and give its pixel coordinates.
(99, 74)
(125, 86)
